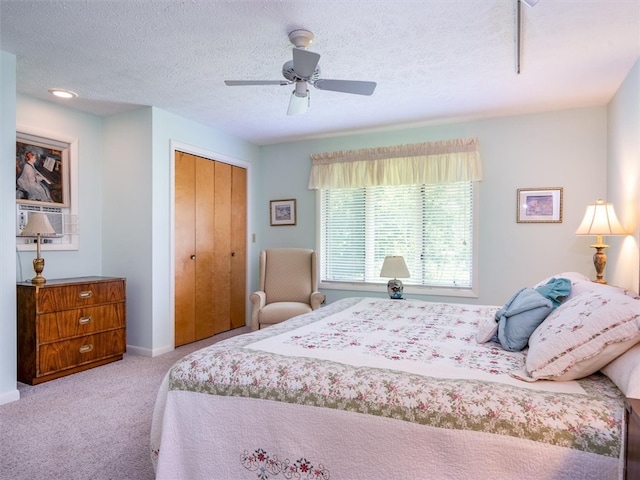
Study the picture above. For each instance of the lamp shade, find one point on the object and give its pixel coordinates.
(394, 267)
(37, 224)
(600, 219)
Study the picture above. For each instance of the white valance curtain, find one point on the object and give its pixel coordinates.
(420, 163)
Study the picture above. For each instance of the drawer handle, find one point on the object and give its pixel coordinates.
(86, 348)
(85, 320)
(86, 294)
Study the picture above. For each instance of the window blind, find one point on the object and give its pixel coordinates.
(430, 225)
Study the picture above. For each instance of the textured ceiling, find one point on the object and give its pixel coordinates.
(434, 60)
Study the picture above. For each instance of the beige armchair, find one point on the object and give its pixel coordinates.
(288, 286)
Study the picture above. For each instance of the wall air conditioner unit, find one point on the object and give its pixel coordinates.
(64, 225)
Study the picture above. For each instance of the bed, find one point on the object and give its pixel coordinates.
(374, 388)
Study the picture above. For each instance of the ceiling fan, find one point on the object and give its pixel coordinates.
(303, 70)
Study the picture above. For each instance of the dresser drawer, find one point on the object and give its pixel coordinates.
(81, 321)
(65, 354)
(56, 298)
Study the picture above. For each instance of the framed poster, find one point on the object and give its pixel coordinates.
(283, 212)
(540, 205)
(42, 171)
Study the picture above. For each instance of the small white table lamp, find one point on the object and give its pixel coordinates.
(37, 225)
(600, 219)
(394, 266)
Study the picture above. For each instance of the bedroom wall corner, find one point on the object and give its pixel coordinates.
(8, 350)
(623, 181)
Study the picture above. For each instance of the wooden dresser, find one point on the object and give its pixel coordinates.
(69, 325)
(632, 464)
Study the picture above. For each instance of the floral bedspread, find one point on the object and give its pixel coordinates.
(412, 361)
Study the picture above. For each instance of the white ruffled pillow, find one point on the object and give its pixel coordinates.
(583, 335)
(624, 371)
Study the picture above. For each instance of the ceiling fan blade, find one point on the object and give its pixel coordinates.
(304, 62)
(237, 83)
(298, 105)
(346, 86)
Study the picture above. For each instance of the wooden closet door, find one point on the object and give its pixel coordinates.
(185, 265)
(205, 207)
(222, 246)
(238, 246)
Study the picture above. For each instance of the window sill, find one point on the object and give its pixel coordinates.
(408, 289)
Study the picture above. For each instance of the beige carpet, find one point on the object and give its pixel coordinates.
(91, 425)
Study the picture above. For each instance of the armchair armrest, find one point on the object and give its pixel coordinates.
(316, 299)
(259, 300)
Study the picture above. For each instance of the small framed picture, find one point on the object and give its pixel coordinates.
(283, 212)
(540, 205)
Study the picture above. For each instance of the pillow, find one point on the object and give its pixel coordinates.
(520, 316)
(556, 290)
(593, 287)
(487, 330)
(624, 371)
(574, 277)
(583, 335)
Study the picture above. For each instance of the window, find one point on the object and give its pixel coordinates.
(430, 225)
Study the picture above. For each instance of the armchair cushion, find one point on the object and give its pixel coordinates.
(275, 312)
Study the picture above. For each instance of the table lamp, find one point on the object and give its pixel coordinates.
(394, 266)
(37, 225)
(600, 219)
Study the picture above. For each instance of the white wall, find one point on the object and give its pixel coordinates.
(560, 149)
(126, 216)
(623, 181)
(8, 364)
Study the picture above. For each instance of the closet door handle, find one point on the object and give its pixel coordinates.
(193, 257)
(233, 254)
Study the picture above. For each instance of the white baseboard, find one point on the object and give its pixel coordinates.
(8, 397)
(148, 352)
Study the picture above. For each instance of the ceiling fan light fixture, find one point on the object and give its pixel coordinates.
(298, 105)
(301, 90)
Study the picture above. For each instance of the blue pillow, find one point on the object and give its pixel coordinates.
(520, 316)
(555, 290)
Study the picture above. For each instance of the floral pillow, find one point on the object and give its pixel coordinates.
(583, 335)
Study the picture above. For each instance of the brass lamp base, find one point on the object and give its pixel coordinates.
(600, 261)
(38, 266)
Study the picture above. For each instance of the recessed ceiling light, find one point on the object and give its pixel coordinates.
(62, 93)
